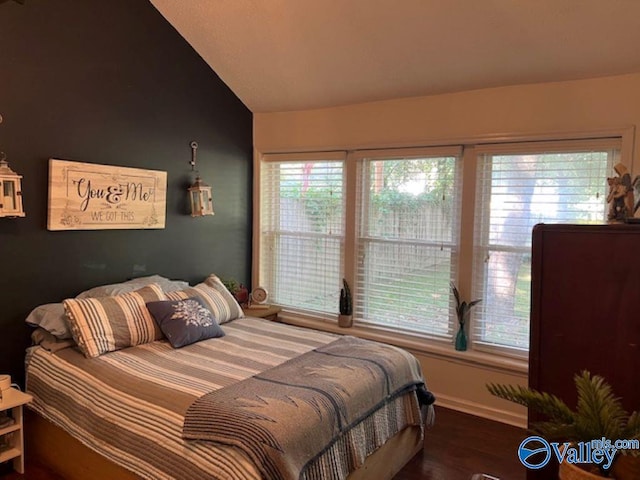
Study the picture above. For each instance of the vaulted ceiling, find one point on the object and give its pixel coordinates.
(281, 55)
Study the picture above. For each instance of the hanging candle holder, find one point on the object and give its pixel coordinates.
(199, 193)
(10, 189)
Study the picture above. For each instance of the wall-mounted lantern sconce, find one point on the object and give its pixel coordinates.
(10, 189)
(199, 192)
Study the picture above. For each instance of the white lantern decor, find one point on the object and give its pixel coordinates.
(201, 201)
(10, 189)
(199, 192)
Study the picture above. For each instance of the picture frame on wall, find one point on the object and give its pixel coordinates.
(88, 196)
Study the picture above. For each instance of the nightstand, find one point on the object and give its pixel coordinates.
(270, 313)
(11, 436)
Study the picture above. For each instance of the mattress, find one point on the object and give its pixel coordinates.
(130, 405)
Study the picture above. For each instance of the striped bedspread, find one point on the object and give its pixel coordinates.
(325, 391)
(130, 405)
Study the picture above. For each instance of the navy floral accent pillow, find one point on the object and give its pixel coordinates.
(185, 321)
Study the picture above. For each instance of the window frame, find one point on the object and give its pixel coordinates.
(483, 217)
(336, 156)
(360, 158)
(500, 360)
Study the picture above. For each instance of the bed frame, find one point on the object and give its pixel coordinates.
(57, 451)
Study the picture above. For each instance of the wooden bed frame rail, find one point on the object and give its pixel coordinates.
(57, 451)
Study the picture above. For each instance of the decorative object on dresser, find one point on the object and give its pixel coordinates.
(199, 192)
(620, 197)
(463, 309)
(87, 196)
(345, 319)
(10, 189)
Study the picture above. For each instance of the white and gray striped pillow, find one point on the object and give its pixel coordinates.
(104, 324)
(216, 298)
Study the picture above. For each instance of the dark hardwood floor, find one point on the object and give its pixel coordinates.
(457, 446)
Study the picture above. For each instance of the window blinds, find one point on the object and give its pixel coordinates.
(518, 186)
(407, 239)
(302, 229)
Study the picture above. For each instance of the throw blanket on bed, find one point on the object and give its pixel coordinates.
(325, 391)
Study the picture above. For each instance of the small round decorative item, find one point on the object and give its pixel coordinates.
(259, 295)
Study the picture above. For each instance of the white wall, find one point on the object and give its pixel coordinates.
(585, 105)
(553, 108)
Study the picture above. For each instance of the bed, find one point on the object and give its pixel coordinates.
(128, 412)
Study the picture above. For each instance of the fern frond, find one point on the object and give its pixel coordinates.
(632, 428)
(548, 405)
(599, 412)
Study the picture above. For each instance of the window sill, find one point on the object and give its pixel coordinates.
(412, 342)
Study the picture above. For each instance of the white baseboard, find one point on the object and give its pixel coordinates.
(479, 410)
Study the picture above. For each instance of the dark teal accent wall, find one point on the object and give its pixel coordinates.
(112, 82)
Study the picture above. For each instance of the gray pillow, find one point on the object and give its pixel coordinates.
(51, 317)
(113, 289)
(185, 321)
(50, 342)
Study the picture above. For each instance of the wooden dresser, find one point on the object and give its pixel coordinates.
(585, 311)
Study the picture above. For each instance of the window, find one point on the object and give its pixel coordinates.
(519, 186)
(407, 239)
(390, 222)
(302, 229)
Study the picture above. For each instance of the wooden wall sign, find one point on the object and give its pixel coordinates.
(87, 196)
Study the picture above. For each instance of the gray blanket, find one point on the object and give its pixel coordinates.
(287, 416)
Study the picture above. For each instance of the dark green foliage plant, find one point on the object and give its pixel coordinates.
(346, 302)
(462, 307)
(231, 284)
(598, 412)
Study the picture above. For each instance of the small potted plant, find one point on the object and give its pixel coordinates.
(462, 311)
(598, 414)
(238, 290)
(345, 319)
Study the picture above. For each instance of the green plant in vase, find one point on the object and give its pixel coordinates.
(598, 414)
(345, 319)
(238, 290)
(463, 309)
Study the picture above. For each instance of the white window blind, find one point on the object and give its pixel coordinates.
(407, 239)
(302, 229)
(518, 186)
